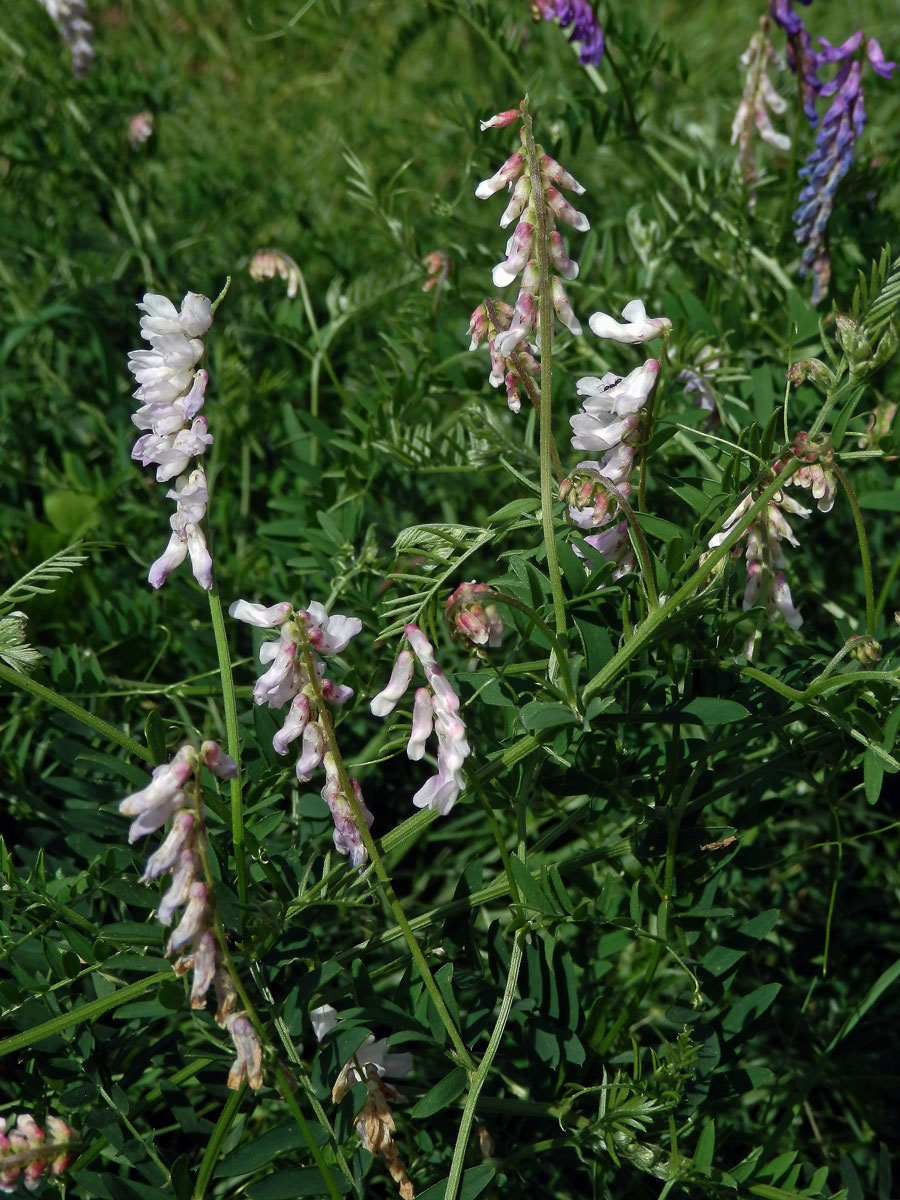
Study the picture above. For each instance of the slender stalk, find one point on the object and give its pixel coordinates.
(234, 746)
(377, 862)
(546, 343)
(558, 648)
(644, 633)
(26, 684)
(640, 542)
(465, 1124)
(863, 549)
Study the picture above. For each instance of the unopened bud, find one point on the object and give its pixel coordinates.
(866, 651)
(472, 616)
(852, 340)
(813, 369)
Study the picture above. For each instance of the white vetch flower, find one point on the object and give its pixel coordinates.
(397, 685)
(638, 326)
(259, 615)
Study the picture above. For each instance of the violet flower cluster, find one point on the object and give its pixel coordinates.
(832, 157)
(371, 1065)
(609, 423)
(307, 636)
(752, 113)
(26, 1150)
(174, 792)
(171, 395)
(586, 27)
(764, 554)
(70, 17)
(435, 709)
(842, 125)
(507, 335)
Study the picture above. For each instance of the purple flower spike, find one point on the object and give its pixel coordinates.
(586, 28)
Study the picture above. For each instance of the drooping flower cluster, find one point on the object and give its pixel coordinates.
(174, 792)
(802, 59)
(816, 474)
(267, 263)
(27, 1151)
(832, 157)
(752, 113)
(171, 395)
(586, 28)
(371, 1064)
(472, 616)
(521, 256)
(307, 636)
(435, 709)
(609, 422)
(765, 557)
(75, 29)
(490, 320)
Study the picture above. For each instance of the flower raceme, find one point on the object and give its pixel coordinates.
(609, 423)
(371, 1065)
(522, 255)
(288, 680)
(586, 28)
(435, 709)
(268, 262)
(752, 113)
(26, 1150)
(171, 394)
(472, 616)
(70, 17)
(174, 792)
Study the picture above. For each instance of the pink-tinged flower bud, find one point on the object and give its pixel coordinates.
(194, 400)
(472, 615)
(386, 700)
(422, 725)
(555, 174)
(268, 262)
(195, 317)
(294, 724)
(248, 1064)
(559, 260)
(525, 315)
(165, 858)
(201, 559)
(513, 399)
(563, 308)
(421, 647)
(259, 615)
(282, 680)
(518, 250)
(638, 326)
(511, 169)
(220, 763)
(173, 556)
(564, 210)
(440, 792)
(205, 954)
(336, 694)
(328, 635)
(177, 893)
(502, 119)
(192, 919)
(445, 699)
(478, 326)
(780, 602)
(312, 751)
(521, 196)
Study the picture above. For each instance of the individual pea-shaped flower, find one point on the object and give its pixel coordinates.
(638, 327)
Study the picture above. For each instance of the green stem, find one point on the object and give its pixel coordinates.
(465, 1124)
(863, 549)
(217, 1138)
(378, 863)
(26, 684)
(234, 746)
(640, 542)
(545, 308)
(558, 647)
(645, 632)
(286, 1090)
